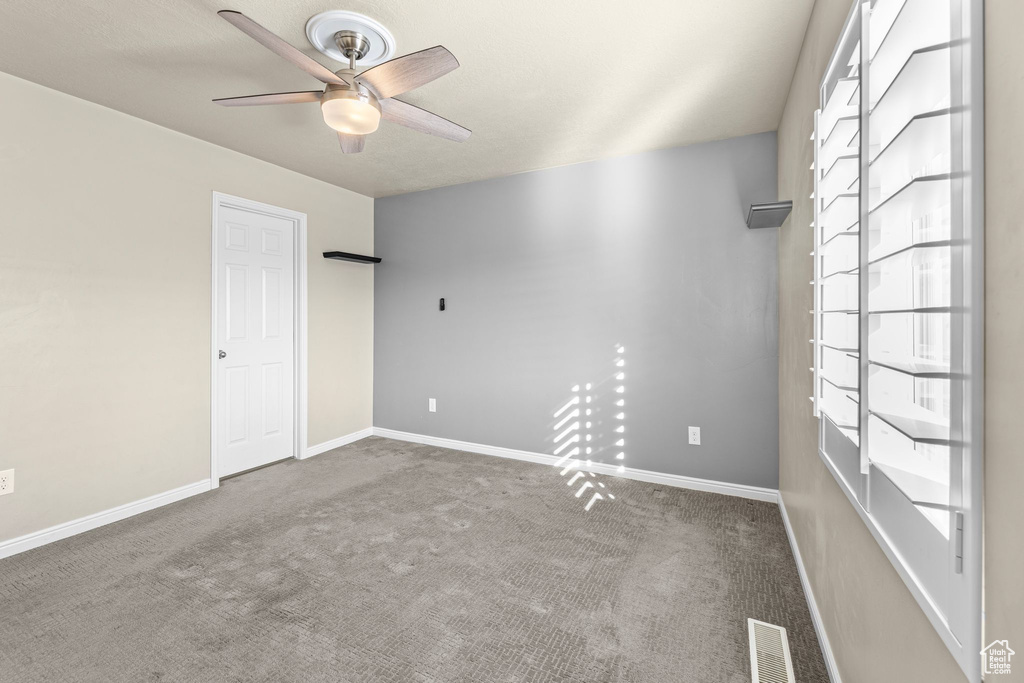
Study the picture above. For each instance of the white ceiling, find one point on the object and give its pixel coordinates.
(542, 83)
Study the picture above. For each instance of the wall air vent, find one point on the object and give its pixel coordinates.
(770, 215)
(769, 653)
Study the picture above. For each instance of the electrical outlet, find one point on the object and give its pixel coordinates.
(6, 482)
(432, 405)
(694, 436)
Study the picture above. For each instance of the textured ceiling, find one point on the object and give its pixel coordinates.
(542, 83)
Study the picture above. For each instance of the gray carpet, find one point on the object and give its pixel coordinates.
(387, 561)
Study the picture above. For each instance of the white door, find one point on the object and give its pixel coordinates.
(255, 319)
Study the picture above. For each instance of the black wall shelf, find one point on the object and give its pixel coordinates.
(345, 256)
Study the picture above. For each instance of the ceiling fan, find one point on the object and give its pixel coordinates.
(353, 104)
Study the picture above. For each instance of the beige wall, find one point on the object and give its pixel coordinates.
(1004, 326)
(876, 629)
(105, 303)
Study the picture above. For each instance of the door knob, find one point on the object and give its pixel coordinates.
(221, 354)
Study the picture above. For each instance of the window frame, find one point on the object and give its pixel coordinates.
(957, 614)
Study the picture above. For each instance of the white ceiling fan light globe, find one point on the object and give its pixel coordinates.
(353, 112)
(350, 116)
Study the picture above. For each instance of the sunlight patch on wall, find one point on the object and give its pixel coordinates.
(594, 437)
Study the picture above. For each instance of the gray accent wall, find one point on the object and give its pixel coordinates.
(547, 275)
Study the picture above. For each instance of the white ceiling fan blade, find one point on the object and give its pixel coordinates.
(351, 144)
(280, 47)
(411, 71)
(271, 98)
(411, 116)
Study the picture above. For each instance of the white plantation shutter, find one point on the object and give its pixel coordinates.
(897, 291)
(837, 201)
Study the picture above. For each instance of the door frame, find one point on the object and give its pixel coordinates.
(299, 322)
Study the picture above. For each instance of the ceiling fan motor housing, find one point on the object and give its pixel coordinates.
(355, 91)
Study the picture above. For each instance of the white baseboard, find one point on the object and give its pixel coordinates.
(678, 481)
(336, 443)
(77, 526)
(812, 604)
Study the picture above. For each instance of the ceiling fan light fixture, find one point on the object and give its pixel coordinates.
(353, 112)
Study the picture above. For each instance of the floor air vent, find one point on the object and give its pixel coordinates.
(769, 653)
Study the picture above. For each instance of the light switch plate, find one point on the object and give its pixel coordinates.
(6, 482)
(694, 436)
(432, 405)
